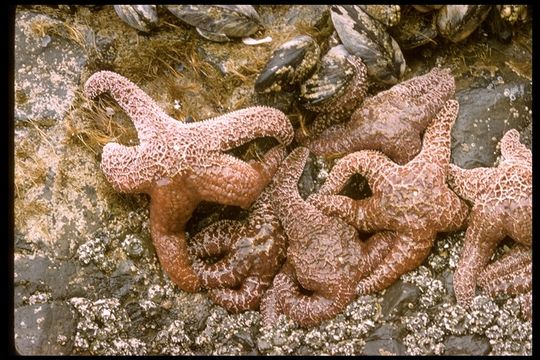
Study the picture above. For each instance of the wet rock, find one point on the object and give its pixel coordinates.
(47, 68)
(397, 298)
(485, 114)
(466, 345)
(40, 274)
(384, 347)
(30, 322)
(448, 282)
(385, 341)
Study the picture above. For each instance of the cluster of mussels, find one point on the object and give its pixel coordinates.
(309, 258)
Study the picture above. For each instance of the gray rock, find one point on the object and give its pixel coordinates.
(385, 340)
(385, 332)
(47, 68)
(40, 274)
(466, 345)
(485, 115)
(30, 322)
(384, 347)
(397, 298)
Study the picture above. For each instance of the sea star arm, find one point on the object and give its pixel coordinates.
(215, 239)
(436, 143)
(270, 307)
(231, 181)
(169, 210)
(513, 149)
(146, 115)
(375, 250)
(337, 139)
(407, 253)
(354, 212)
(240, 126)
(481, 238)
(371, 164)
(509, 274)
(517, 282)
(307, 310)
(120, 166)
(247, 297)
(469, 183)
(456, 213)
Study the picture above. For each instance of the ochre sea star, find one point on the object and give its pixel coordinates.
(252, 253)
(325, 257)
(502, 206)
(181, 164)
(411, 200)
(391, 121)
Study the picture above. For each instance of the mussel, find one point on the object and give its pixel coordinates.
(368, 39)
(141, 17)
(289, 65)
(457, 22)
(219, 22)
(336, 89)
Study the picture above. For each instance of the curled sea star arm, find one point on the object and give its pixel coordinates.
(119, 164)
(436, 143)
(307, 310)
(168, 211)
(509, 274)
(147, 116)
(240, 126)
(513, 149)
(270, 307)
(354, 212)
(468, 183)
(375, 250)
(481, 238)
(231, 181)
(407, 253)
(517, 282)
(247, 297)
(215, 239)
(371, 164)
(227, 272)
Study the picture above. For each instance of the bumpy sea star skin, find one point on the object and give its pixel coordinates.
(502, 206)
(391, 121)
(510, 275)
(180, 164)
(253, 249)
(343, 104)
(411, 200)
(325, 256)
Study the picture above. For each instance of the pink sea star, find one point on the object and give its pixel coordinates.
(411, 200)
(511, 274)
(180, 164)
(502, 206)
(253, 252)
(325, 257)
(391, 121)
